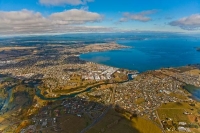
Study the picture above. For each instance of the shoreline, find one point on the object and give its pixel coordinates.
(112, 46)
(191, 89)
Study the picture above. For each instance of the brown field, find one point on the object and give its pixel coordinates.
(194, 72)
(175, 111)
(15, 48)
(175, 114)
(184, 69)
(104, 46)
(114, 122)
(145, 126)
(108, 125)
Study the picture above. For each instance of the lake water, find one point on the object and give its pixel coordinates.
(150, 54)
(195, 91)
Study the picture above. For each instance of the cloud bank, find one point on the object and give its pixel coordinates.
(141, 16)
(64, 2)
(188, 23)
(30, 22)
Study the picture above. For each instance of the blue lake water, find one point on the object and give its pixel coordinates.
(195, 91)
(150, 54)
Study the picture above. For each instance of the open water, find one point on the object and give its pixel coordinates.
(150, 54)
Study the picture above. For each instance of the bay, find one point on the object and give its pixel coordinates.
(195, 91)
(150, 54)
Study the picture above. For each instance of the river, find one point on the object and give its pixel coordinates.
(38, 91)
(5, 101)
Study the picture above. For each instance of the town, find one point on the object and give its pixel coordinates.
(59, 89)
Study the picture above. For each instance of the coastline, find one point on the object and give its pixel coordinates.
(193, 90)
(110, 46)
(147, 55)
(98, 48)
(145, 79)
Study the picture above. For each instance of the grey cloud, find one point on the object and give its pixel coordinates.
(141, 16)
(28, 22)
(64, 2)
(188, 23)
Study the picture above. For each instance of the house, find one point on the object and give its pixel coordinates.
(181, 129)
(182, 123)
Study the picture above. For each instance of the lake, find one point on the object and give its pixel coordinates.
(195, 91)
(150, 54)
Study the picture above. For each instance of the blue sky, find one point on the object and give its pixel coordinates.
(59, 16)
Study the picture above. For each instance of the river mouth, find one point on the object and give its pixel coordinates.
(195, 91)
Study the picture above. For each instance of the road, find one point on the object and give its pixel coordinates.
(112, 101)
(163, 130)
(97, 120)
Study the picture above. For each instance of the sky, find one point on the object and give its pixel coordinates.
(74, 16)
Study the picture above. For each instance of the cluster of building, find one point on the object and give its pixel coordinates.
(189, 79)
(7, 62)
(142, 96)
(57, 75)
(49, 116)
(81, 107)
(102, 73)
(146, 95)
(181, 126)
(101, 95)
(56, 62)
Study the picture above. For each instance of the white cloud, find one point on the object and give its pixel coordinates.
(64, 2)
(75, 16)
(28, 22)
(188, 23)
(141, 16)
